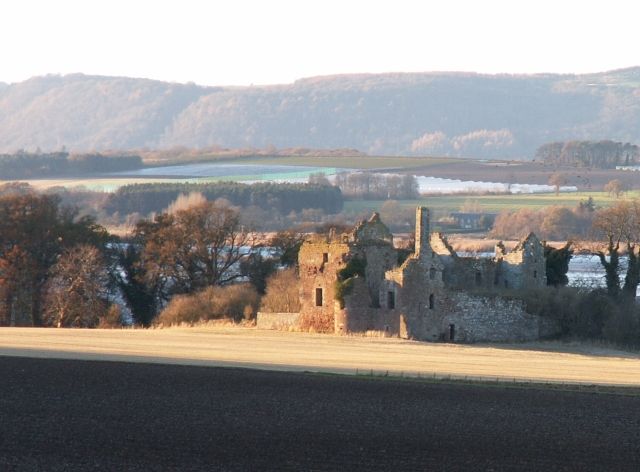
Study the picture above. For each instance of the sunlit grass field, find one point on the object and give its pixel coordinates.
(275, 350)
(492, 203)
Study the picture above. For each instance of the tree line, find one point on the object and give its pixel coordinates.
(282, 197)
(23, 165)
(601, 154)
(375, 186)
(59, 269)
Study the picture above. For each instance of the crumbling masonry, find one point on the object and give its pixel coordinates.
(352, 282)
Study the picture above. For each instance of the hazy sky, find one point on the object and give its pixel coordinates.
(277, 41)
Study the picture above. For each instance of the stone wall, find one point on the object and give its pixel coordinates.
(380, 258)
(357, 316)
(524, 266)
(281, 321)
(471, 273)
(473, 318)
(319, 262)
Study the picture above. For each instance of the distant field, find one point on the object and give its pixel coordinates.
(490, 203)
(93, 184)
(469, 170)
(272, 350)
(358, 162)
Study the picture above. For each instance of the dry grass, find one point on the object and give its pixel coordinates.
(467, 244)
(241, 347)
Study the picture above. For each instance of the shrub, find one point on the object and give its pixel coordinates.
(560, 304)
(112, 318)
(623, 327)
(595, 308)
(233, 302)
(282, 293)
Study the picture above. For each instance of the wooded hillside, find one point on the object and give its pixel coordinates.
(457, 114)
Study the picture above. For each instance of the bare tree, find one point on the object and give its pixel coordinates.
(614, 188)
(614, 226)
(193, 248)
(557, 180)
(77, 292)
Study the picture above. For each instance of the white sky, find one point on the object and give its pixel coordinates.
(277, 41)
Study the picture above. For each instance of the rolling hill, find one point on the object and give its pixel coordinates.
(457, 114)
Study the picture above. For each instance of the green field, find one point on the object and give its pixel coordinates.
(490, 203)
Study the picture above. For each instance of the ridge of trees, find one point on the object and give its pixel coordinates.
(375, 186)
(23, 165)
(605, 154)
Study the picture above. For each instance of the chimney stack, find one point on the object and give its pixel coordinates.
(422, 231)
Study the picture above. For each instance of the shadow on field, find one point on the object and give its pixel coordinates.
(77, 415)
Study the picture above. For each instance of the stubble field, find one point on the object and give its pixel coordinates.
(273, 350)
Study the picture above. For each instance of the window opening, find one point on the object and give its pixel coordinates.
(391, 300)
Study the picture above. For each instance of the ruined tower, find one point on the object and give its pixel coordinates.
(422, 231)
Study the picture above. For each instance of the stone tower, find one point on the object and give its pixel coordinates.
(422, 231)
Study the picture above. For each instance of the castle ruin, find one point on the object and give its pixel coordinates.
(353, 282)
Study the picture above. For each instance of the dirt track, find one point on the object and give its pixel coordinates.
(60, 415)
(237, 347)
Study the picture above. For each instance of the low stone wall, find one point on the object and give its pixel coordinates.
(492, 319)
(280, 321)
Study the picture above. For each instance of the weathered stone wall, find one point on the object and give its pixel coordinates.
(281, 321)
(371, 230)
(491, 319)
(380, 258)
(524, 266)
(318, 264)
(359, 317)
(471, 273)
(418, 289)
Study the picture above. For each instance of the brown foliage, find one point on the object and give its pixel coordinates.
(557, 180)
(34, 230)
(111, 319)
(77, 290)
(614, 188)
(233, 302)
(554, 223)
(193, 248)
(516, 224)
(282, 293)
(614, 226)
